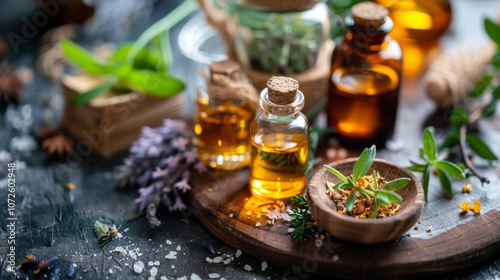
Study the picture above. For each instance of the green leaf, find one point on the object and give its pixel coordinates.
(445, 180)
(145, 59)
(425, 180)
(429, 144)
(482, 83)
(452, 138)
(496, 92)
(101, 228)
(162, 26)
(374, 177)
(87, 96)
(490, 109)
(390, 195)
(416, 168)
(450, 168)
(84, 59)
(364, 162)
(383, 200)
(154, 83)
(349, 203)
(480, 148)
(336, 173)
(340, 185)
(493, 30)
(396, 184)
(495, 60)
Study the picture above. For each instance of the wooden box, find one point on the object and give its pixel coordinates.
(111, 122)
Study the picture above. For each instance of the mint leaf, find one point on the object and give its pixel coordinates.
(429, 145)
(363, 163)
(349, 203)
(382, 198)
(84, 59)
(445, 180)
(493, 30)
(480, 148)
(390, 195)
(450, 168)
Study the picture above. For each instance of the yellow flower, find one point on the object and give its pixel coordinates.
(477, 207)
(465, 207)
(466, 188)
(70, 186)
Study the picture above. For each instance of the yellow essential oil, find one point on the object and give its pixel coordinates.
(279, 164)
(279, 142)
(222, 132)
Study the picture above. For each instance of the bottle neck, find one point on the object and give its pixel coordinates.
(367, 36)
(281, 112)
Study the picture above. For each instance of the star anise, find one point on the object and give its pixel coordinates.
(10, 85)
(56, 143)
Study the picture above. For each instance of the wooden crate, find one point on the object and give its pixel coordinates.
(111, 122)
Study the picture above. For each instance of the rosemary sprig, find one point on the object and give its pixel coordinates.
(279, 159)
(105, 233)
(302, 224)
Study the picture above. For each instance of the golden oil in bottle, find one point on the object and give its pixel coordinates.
(280, 142)
(223, 125)
(418, 20)
(365, 79)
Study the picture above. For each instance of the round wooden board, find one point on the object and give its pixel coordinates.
(220, 200)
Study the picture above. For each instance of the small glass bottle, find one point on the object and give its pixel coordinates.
(365, 79)
(280, 142)
(223, 120)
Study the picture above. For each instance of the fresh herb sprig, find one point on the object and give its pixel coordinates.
(302, 224)
(105, 233)
(445, 169)
(133, 66)
(383, 196)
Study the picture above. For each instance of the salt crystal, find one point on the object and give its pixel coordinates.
(110, 271)
(194, 276)
(74, 264)
(213, 275)
(151, 278)
(318, 243)
(153, 272)
(119, 235)
(173, 266)
(238, 253)
(257, 224)
(286, 217)
(217, 259)
(169, 242)
(335, 258)
(125, 230)
(172, 255)
(247, 267)
(178, 248)
(429, 229)
(184, 277)
(209, 260)
(150, 263)
(149, 240)
(231, 215)
(157, 263)
(163, 277)
(227, 261)
(138, 267)
(263, 266)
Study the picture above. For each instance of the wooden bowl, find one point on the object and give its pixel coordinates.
(365, 231)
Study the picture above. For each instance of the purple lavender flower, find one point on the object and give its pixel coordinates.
(159, 163)
(183, 186)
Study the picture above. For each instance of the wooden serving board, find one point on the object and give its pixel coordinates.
(446, 239)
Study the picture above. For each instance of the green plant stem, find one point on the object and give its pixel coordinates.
(474, 116)
(162, 25)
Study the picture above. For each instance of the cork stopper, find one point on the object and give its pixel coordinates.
(282, 90)
(369, 13)
(227, 68)
(282, 5)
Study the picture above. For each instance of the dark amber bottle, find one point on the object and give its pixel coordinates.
(365, 79)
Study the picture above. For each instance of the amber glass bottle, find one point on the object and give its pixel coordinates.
(280, 142)
(223, 122)
(365, 79)
(418, 20)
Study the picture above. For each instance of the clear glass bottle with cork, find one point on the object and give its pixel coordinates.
(225, 110)
(280, 142)
(365, 79)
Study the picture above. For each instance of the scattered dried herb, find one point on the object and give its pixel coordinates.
(445, 169)
(57, 145)
(379, 196)
(105, 233)
(476, 208)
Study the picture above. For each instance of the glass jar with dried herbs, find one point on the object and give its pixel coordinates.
(279, 37)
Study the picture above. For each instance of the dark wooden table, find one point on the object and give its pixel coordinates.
(54, 222)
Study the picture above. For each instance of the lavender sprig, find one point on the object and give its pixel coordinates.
(159, 164)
